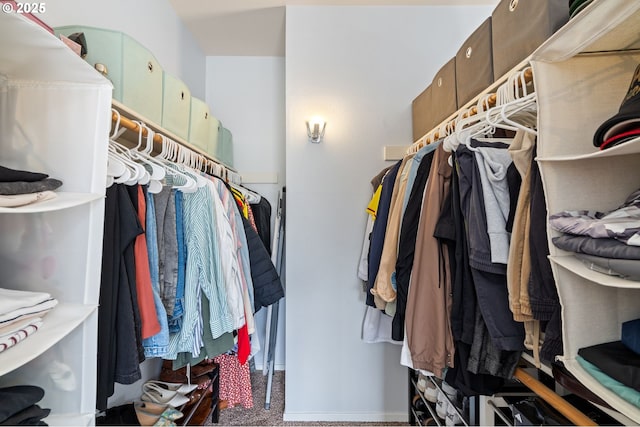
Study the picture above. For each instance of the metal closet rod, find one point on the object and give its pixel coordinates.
(565, 408)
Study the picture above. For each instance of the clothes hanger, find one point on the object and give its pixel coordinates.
(186, 158)
(179, 180)
(143, 155)
(132, 172)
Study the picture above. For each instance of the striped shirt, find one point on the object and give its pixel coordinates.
(203, 276)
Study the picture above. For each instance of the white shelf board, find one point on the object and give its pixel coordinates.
(576, 266)
(616, 402)
(56, 62)
(63, 201)
(57, 324)
(603, 26)
(70, 420)
(630, 147)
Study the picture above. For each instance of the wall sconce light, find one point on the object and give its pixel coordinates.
(315, 129)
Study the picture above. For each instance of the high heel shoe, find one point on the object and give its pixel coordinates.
(156, 394)
(178, 387)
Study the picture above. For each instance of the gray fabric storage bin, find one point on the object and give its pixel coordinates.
(444, 100)
(474, 64)
(518, 27)
(421, 115)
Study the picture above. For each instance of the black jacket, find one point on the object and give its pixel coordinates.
(267, 287)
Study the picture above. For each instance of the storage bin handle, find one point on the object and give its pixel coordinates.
(513, 4)
(150, 66)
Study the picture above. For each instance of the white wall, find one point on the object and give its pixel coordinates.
(359, 67)
(247, 95)
(153, 23)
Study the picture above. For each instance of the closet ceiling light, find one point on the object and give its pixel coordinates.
(315, 129)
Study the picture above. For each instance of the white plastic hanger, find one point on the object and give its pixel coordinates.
(168, 155)
(134, 172)
(186, 158)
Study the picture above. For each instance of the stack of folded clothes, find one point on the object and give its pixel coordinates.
(616, 365)
(21, 314)
(18, 406)
(608, 242)
(20, 188)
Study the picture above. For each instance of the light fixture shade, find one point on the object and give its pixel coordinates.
(315, 130)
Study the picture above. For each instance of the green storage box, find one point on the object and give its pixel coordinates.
(224, 151)
(199, 124)
(214, 130)
(176, 106)
(134, 71)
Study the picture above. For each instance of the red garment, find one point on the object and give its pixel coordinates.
(146, 306)
(244, 345)
(235, 381)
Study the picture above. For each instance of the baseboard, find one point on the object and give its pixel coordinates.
(401, 417)
(276, 367)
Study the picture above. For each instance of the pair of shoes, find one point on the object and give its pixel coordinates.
(421, 384)
(179, 387)
(153, 414)
(446, 405)
(452, 419)
(430, 391)
(154, 393)
(447, 396)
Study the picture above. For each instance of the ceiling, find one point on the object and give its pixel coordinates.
(256, 27)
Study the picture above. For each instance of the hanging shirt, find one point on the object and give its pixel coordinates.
(148, 313)
(240, 239)
(203, 276)
(227, 248)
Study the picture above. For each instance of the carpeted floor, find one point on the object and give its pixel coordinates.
(258, 416)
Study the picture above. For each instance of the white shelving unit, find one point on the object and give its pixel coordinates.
(581, 75)
(55, 119)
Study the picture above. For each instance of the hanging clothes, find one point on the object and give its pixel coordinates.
(156, 345)
(408, 233)
(119, 338)
(203, 276)
(378, 233)
(385, 284)
(489, 278)
(148, 314)
(429, 331)
(262, 216)
(166, 226)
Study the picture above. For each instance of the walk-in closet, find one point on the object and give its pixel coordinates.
(422, 212)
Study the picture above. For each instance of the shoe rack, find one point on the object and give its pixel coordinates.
(418, 404)
(203, 403)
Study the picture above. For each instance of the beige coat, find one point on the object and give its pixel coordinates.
(382, 287)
